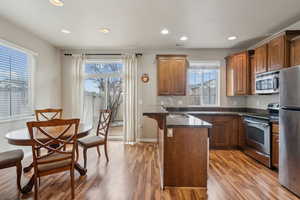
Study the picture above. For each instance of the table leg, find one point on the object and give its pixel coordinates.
(82, 171)
(28, 187)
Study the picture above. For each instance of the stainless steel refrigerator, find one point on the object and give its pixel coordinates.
(289, 123)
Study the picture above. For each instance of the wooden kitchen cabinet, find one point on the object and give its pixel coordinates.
(275, 145)
(224, 133)
(277, 49)
(253, 75)
(241, 66)
(230, 76)
(241, 134)
(171, 75)
(238, 74)
(261, 59)
(295, 52)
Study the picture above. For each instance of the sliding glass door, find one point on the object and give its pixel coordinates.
(104, 90)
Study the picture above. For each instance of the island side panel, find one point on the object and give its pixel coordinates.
(185, 158)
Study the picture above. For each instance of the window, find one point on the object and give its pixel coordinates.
(203, 83)
(15, 83)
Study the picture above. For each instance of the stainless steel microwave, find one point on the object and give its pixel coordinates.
(267, 83)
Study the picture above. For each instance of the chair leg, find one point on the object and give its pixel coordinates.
(36, 188)
(19, 174)
(77, 153)
(72, 183)
(84, 157)
(105, 149)
(98, 150)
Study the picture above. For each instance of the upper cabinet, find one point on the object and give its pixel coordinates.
(295, 52)
(242, 69)
(238, 74)
(278, 55)
(230, 76)
(172, 71)
(261, 59)
(253, 74)
(280, 50)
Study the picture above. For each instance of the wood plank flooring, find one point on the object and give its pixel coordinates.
(133, 174)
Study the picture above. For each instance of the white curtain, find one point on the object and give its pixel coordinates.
(130, 99)
(78, 62)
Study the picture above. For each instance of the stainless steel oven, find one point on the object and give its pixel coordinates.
(267, 83)
(258, 134)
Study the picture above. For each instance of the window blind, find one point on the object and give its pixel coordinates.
(15, 83)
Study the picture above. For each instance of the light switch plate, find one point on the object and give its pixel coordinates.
(170, 132)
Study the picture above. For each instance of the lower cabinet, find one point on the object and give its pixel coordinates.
(275, 145)
(224, 133)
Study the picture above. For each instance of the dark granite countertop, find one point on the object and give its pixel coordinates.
(192, 110)
(180, 120)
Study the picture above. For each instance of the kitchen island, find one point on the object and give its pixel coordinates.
(183, 146)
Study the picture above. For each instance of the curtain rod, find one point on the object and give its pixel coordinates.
(103, 54)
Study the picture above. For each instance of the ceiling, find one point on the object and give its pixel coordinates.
(137, 23)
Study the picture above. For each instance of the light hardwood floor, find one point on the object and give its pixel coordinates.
(132, 174)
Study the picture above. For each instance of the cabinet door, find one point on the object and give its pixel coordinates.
(230, 76)
(261, 59)
(164, 82)
(253, 74)
(178, 76)
(221, 132)
(241, 134)
(295, 52)
(275, 149)
(276, 53)
(241, 70)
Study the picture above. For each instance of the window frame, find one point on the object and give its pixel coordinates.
(213, 65)
(32, 60)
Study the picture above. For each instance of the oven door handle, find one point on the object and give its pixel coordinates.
(257, 123)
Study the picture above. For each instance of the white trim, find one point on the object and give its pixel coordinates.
(17, 47)
(148, 140)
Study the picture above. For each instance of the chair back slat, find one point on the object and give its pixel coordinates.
(57, 131)
(48, 114)
(104, 122)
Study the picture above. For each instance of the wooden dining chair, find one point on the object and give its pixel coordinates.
(55, 160)
(100, 138)
(48, 114)
(13, 159)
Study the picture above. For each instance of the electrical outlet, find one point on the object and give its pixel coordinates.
(170, 132)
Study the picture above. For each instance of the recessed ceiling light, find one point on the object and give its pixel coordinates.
(183, 38)
(65, 31)
(164, 31)
(232, 38)
(58, 3)
(104, 30)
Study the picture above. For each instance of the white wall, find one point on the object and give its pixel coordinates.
(148, 91)
(48, 71)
